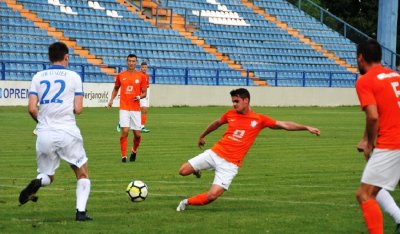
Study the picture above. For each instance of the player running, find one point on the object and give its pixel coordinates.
(60, 94)
(133, 88)
(226, 156)
(379, 95)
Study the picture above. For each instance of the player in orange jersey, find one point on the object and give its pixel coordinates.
(378, 90)
(145, 102)
(226, 156)
(133, 88)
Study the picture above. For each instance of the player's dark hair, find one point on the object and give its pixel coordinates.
(131, 56)
(371, 51)
(57, 51)
(241, 92)
(143, 64)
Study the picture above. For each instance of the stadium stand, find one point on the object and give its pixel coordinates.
(310, 27)
(222, 42)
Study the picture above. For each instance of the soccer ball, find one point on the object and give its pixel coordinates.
(137, 190)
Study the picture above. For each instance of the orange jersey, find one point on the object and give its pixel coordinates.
(240, 135)
(380, 86)
(131, 84)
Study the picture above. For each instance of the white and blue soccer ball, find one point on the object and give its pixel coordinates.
(137, 190)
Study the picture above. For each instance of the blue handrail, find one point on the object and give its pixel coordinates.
(276, 78)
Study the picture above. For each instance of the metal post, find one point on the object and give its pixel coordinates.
(154, 75)
(304, 79)
(276, 78)
(393, 60)
(199, 18)
(330, 79)
(185, 23)
(321, 16)
(186, 76)
(83, 73)
(170, 23)
(217, 76)
(247, 77)
(345, 30)
(300, 4)
(157, 16)
(3, 71)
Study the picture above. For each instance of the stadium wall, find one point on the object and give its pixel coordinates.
(15, 93)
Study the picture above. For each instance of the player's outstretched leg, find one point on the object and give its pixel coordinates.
(203, 198)
(28, 193)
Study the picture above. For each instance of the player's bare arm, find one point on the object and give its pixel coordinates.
(363, 143)
(32, 107)
(292, 126)
(78, 105)
(113, 95)
(212, 127)
(143, 94)
(371, 128)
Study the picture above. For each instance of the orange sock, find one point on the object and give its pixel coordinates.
(373, 216)
(123, 142)
(136, 143)
(199, 200)
(144, 118)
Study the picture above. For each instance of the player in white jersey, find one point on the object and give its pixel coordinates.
(60, 94)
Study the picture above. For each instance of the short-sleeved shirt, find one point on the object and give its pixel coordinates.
(380, 86)
(131, 85)
(56, 89)
(241, 132)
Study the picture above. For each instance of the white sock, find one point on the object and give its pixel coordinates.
(142, 126)
(45, 179)
(388, 204)
(82, 194)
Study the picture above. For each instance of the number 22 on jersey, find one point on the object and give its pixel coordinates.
(60, 84)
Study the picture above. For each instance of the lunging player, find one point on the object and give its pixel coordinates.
(227, 155)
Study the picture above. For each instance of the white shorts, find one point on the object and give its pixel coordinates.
(145, 102)
(130, 119)
(382, 169)
(224, 171)
(53, 145)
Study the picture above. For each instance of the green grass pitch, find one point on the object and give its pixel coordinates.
(290, 182)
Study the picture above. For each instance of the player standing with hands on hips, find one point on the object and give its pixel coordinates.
(133, 88)
(60, 94)
(378, 90)
(226, 156)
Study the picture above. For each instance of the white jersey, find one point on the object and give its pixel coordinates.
(56, 89)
